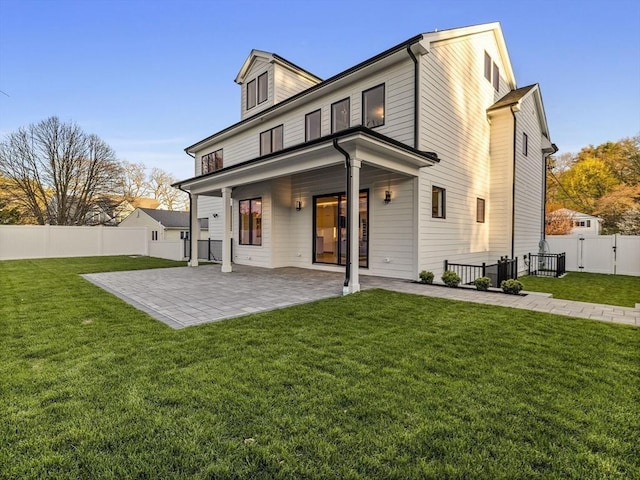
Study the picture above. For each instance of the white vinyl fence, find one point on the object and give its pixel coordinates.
(55, 241)
(613, 254)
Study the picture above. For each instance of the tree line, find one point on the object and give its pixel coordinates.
(53, 172)
(602, 181)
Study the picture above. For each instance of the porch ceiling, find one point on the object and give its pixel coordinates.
(362, 144)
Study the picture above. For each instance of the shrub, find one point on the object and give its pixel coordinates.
(511, 286)
(451, 278)
(482, 283)
(426, 277)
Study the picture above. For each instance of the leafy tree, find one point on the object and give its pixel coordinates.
(584, 183)
(60, 171)
(558, 223)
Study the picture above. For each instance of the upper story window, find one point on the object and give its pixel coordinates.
(525, 144)
(487, 66)
(340, 114)
(491, 71)
(312, 124)
(258, 90)
(271, 140)
(373, 107)
(211, 162)
(438, 199)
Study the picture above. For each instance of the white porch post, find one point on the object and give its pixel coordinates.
(195, 230)
(354, 247)
(226, 234)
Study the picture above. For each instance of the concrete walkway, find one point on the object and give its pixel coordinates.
(184, 296)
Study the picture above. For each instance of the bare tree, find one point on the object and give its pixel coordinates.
(61, 171)
(133, 182)
(170, 198)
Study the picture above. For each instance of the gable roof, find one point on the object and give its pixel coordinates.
(573, 213)
(272, 58)
(173, 219)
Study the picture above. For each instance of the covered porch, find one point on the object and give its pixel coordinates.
(343, 203)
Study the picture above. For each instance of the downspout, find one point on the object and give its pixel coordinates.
(347, 164)
(190, 207)
(416, 96)
(514, 109)
(544, 187)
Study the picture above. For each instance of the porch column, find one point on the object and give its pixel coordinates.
(354, 247)
(226, 233)
(195, 230)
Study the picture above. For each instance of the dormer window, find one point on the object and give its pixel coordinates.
(258, 90)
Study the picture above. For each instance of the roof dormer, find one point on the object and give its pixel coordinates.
(266, 79)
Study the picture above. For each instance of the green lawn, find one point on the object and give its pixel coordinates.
(620, 290)
(372, 385)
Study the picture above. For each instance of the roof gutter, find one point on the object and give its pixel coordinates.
(347, 164)
(513, 109)
(543, 233)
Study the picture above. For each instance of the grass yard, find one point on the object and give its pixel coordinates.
(373, 385)
(622, 290)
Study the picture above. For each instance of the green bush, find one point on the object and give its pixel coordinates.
(426, 277)
(482, 283)
(451, 278)
(511, 286)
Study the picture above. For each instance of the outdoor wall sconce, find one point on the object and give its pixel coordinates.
(387, 197)
(298, 205)
(215, 215)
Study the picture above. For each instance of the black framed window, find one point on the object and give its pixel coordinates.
(340, 115)
(525, 144)
(480, 210)
(263, 87)
(496, 77)
(312, 125)
(438, 199)
(487, 66)
(271, 140)
(211, 162)
(154, 235)
(251, 94)
(373, 107)
(251, 221)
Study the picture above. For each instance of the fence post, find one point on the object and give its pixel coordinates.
(446, 265)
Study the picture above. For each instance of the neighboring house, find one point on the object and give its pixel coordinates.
(113, 210)
(583, 224)
(165, 225)
(444, 153)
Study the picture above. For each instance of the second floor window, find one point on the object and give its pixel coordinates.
(258, 90)
(373, 107)
(271, 140)
(312, 125)
(340, 113)
(211, 162)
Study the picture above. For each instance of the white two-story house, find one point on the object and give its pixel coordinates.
(425, 152)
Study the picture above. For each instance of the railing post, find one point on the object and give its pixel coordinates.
(446, 265)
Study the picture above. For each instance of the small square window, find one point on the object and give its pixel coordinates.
(480, 210)
(312, 125)
(496, 77)
(525, 144)
(340, 114)
(373, 107)
(438, 199)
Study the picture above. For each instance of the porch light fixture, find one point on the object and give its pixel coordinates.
(387, 197)
(298, 205)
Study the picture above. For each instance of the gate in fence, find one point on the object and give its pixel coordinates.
(210, 250)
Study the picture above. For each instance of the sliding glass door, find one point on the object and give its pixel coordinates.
(330, 229)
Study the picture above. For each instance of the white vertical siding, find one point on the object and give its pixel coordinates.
(529, 174)
(454, 96)
(288, 83)
(500, 202)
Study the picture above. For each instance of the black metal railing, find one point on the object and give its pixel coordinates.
(503, 269)
(209, 249)
(547, 264)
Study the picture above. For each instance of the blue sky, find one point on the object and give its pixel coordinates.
(152, 77)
